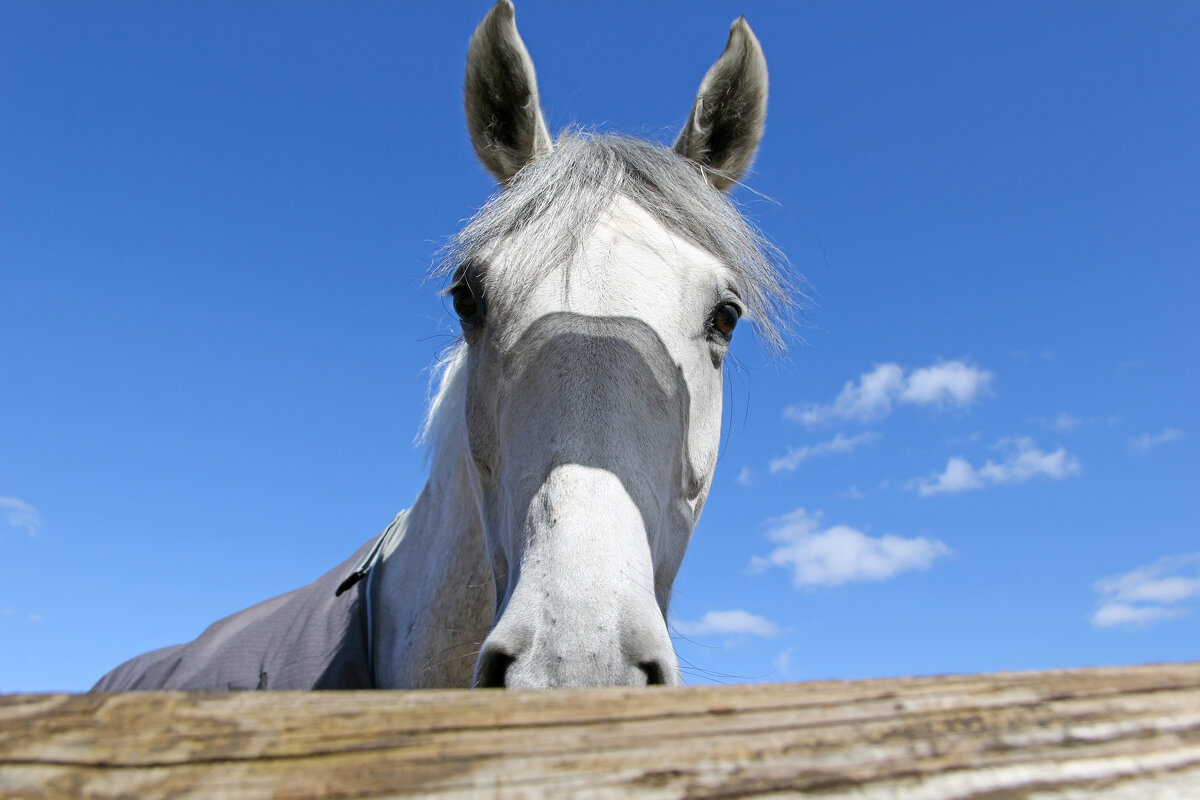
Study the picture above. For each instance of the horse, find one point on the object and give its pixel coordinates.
(575, 427)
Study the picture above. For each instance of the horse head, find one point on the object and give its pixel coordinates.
(598, 293)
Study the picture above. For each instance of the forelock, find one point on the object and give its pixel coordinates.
(551, 206)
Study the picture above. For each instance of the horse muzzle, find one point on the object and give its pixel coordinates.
(583, 610)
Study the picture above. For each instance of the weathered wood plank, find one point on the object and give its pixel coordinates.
(1100, 733)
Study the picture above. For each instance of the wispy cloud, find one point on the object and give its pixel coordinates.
(839, 444)
(872, 396)
(1023, 460)
(839, 554)
(971, 438)
(21, 515)
(1148, 441)
(783, 662)
(745, 477)
(728, 623)
(1148, 594)
(1064, 423)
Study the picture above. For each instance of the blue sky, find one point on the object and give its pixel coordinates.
(979, 453)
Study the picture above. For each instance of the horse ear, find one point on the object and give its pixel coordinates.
(726, 122)
(501, 96)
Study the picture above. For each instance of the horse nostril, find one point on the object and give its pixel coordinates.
(655, 674)
(493, 667)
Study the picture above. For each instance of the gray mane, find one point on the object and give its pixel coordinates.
(552, 204)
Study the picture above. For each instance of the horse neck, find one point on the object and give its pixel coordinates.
(436, 599)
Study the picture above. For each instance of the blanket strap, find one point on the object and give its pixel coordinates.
(367, 561)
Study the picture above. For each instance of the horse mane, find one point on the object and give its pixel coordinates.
(445, 423)
(549, 208)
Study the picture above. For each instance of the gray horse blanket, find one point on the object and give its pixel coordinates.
(316, 637)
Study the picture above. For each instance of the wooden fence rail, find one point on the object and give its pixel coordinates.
(1128, 733)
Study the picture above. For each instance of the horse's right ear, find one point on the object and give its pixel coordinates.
(501, 97)
(726, 122)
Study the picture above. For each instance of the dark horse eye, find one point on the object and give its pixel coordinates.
(725, 319)
(465, 304)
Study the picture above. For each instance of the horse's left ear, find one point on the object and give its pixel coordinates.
(501, 96)
(726, 123)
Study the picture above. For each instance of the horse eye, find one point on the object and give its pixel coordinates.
(465, 304)
(725, 319)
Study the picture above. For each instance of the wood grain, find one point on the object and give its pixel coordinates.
(1115, 734)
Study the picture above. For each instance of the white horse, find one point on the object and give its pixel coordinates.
(575, 430)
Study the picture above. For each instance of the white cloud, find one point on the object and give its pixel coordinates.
(21, 515)
(783, 661)
(1148, 594)
(840, 554)
(745, 477)
(959, 476)
(837, 445)
(1023, 461)
(1148, 441)
(728, 623)
(869, 399)
(949, 383)
(853, 493)
(956, 383)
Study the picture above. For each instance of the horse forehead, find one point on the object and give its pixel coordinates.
(635, 245)
(631, 265)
